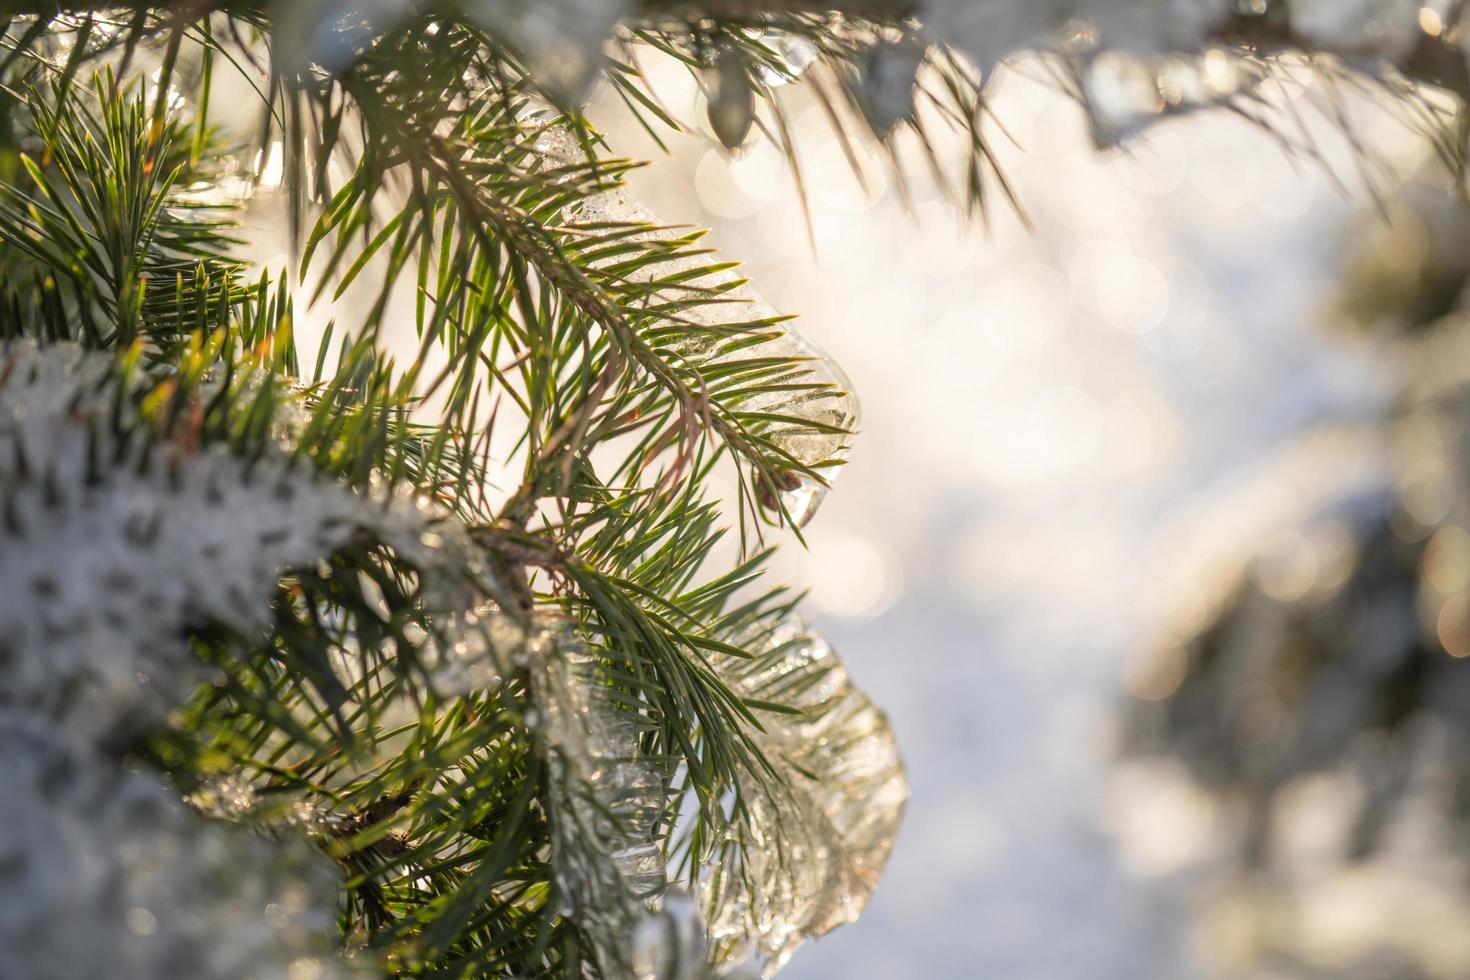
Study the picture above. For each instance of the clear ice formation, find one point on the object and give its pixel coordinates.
(671, 944)
(1142, 60)
(818, 837)
(794, 55)
(820, 416)
(608, 802)
(819, 834)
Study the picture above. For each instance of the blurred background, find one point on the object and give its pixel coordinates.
(1149, 544)
(1153, 543)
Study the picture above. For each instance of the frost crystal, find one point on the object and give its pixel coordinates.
(818, 839)
(731, 109)
(107, 874)
(115, 542)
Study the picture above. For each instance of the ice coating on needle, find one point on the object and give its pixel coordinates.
(820, 835)
(813, 409)
(794, 55)
(606, 800)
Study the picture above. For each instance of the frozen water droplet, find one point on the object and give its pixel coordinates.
(670, 944)
(889, 76)
(829, 415)
(795, 54)
(731, 108)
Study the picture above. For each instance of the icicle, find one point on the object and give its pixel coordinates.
(731, 108)
(889, 77)
(818, 840)
(796, 54)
